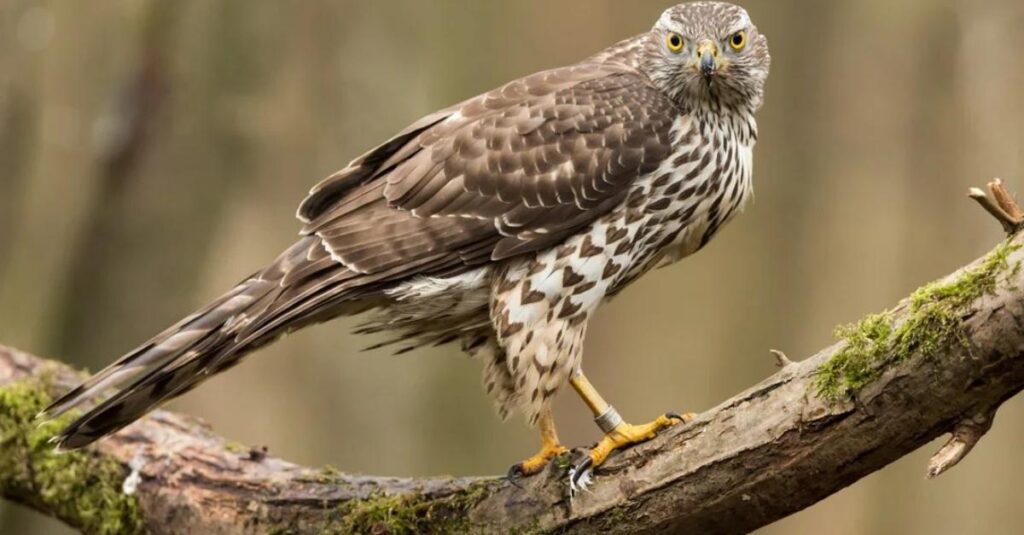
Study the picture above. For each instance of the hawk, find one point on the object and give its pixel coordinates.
(500, 223)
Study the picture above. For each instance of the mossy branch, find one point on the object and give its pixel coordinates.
(930, 322)
(942, 361)
(45, 479)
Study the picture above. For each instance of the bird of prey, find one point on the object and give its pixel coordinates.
(501, 224)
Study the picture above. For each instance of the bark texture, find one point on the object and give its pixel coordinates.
(770, 451)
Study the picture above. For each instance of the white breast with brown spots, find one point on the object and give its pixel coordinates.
(538, 305)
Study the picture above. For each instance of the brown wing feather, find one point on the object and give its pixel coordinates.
(358, 171)
(506, 173)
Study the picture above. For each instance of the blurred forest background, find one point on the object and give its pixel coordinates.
(152, 153)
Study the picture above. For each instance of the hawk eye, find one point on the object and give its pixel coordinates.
(674, 42)
(738, 41)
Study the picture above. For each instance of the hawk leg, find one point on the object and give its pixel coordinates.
(550, 447)
(618, 434)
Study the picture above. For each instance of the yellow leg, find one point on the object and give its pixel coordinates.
(618, 433)
(550, 447)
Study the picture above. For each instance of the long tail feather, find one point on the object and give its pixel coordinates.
(162, 348)
(199, 346)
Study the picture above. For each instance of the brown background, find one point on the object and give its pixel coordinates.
(152, 153)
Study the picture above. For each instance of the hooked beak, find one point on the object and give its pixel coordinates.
(707, 58)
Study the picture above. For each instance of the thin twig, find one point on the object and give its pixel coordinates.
(991, 207)
(781, 360)
(1006, 200)
(1001, 205)
(966, 434)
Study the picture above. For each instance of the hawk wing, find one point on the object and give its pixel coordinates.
(509, 172)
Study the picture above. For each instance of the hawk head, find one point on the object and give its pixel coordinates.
(707, 52)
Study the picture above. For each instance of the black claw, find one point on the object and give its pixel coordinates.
(579, 467)
(516, 470)
(582, 469)
(675, 416)
(514, 473)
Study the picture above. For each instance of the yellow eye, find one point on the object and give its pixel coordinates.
(674, 42)
(738, 41)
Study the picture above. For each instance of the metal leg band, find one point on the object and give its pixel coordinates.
(609, 420)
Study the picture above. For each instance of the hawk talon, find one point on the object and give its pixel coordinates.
(550, 447)
(536, 463)
(580, 473)
(514, 473)
(581, 470)
(516, 470)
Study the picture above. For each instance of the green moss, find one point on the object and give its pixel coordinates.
(236, 447)
(616, 517)
(402, 514)
(932, 322)
(76, 486)
(563, 461)
(329, 471)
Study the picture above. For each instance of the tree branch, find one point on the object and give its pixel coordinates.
(942, 361)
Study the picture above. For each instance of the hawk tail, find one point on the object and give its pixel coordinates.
(164, 367)
(255, 312)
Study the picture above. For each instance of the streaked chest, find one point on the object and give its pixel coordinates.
(706, 182)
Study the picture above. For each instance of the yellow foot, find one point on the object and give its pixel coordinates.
(537, 463)
(621, 436)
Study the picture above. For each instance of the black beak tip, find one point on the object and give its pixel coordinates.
(708, 66)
